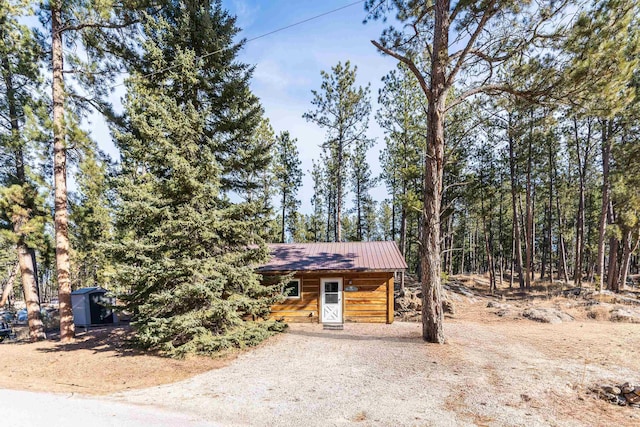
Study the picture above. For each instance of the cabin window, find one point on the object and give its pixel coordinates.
(292, 289)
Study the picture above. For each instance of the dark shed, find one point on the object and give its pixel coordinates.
(90, 307)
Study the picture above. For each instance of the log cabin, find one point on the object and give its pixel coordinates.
(333, 283)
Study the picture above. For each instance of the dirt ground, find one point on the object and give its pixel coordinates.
(498, 371)
(98, 362)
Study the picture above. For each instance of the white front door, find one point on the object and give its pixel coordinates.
(331, 298)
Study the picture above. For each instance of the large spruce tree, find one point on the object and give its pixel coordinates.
(187, 253)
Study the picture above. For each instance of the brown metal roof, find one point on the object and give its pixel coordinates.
(356, 256)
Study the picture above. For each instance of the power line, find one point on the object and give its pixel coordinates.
(286, 27)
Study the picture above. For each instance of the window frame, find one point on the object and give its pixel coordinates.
(299, 282)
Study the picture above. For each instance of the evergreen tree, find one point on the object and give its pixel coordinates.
(258, 180)
(318, 204)
(361, 184)
(289, 178)
(91, 221)
(604, 48)
(385, 219)
(402, 117)
(98, 29)
(495, 36)
(342, 108)
(22, 210)
(184, 248)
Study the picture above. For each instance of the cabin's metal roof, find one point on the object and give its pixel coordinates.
(348, 256)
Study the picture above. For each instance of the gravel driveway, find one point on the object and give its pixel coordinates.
(386, 375)
(311, 377)
(491, 372)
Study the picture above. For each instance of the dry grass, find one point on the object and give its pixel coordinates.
(359, 417)
(599, 313)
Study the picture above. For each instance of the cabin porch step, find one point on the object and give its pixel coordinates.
(333, 326)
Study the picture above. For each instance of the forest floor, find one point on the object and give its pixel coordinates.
(497, 368)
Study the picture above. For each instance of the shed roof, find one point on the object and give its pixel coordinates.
(350, 256)
(82, 291)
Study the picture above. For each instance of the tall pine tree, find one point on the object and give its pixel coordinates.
(91, 221)
(342, 109)
(22, 213)
(184, 251)
(289, 179)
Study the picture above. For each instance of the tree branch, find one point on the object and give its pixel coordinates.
(456, 10)
(488, 13)
(409, 63)
(484, 56)
(110, 25)
(482, 89)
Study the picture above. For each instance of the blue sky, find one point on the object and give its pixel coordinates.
(288, 64)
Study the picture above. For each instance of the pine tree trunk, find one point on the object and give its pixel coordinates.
(550, 218)
(562, 258)
(403, 231)
(627, 250)
(393, 214)
(577, 273)
(490, 264)
(612, 271)
(359, 213)
(513, 266)
(450, 246)
(432, 315)
(284, 208)
(500, 226)
(67, 330)
(602, 224)
(8, 286)
(330, 205)
(580, 215)
(27, 270)
(463, 254)
(338, 222)
(514, 206)
(474, 249)
(543, 267)
(30, 289)
(528, 246)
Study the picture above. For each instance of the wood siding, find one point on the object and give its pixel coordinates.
(371, 303)
(303, 309)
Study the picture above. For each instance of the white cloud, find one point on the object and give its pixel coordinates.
(245, 13)
(271, 74)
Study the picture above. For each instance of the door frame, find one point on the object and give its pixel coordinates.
(340, 297)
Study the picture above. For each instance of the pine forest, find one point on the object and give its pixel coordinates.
(509, 147)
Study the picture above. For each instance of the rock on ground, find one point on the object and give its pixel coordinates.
(546, 315)
(503, 309)
(625, 315)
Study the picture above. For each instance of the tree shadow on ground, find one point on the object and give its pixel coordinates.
(413, 337)
(103, 339)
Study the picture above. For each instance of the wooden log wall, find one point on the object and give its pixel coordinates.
(371, 303)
